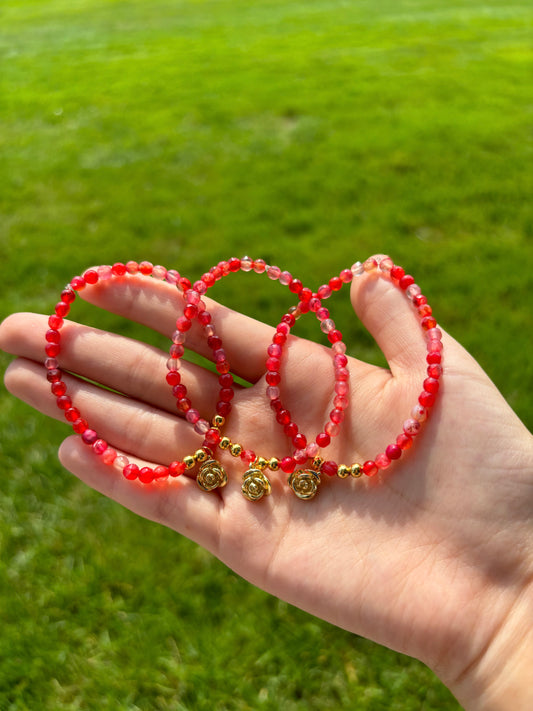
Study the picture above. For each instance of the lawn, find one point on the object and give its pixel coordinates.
(312, 134)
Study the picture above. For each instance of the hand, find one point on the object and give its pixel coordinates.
(433, 558)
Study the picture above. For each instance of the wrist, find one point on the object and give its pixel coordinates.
(500, 678)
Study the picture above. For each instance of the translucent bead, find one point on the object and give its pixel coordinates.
(109, 456)
(274, 350)
(411, 427)
(159, 272)
(341, 374)
(312, 449)
(173, 364)
(338, 348)
(146, 268)
(132, 267)
(285, 278)
(419, 413)
(340, 402)
(382, 461)
(332, 429)
(200, 286)
(370, 264)
(340, 360)
(210, 330)
(385, 265)
(273, 272)
(341, 387)
(393, 451)
(324, 291)
(322, 313)
(51, 364)
(300, 456)
(336, 416)
(105, 272)
(346, 276)
(273, 392)
(314, 304)
(412, 291)
(357, 269)
(434, 346)
(192, 416)
(434, 334)
(201, 427)
(120, 462)
(176, 350)
(172, 276)
(327, 325)
(246, 264)
(259, 266)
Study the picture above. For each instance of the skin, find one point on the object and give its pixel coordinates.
(432, 557)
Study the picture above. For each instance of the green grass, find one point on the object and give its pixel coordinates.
(312, 134)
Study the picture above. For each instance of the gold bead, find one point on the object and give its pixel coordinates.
(218, 421)
(343, 471)
(356, 470)
(260, 463)
(225, 442)
(235, 449)
(200, 455)
(317, 463)
(189, 462)
(273, 464)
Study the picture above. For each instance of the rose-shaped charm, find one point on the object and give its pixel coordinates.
(211, 476)
(304, 483)
(255, 485)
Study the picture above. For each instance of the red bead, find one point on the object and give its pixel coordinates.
(179, 391)
(299, 441)
(287, 465)
(90, 276)
(324, 291)
(334, 336)
(64, 402)
(146, 268)
(62, 308)
(161, 472)
(131, 471)
(234, 264)
(190, 311)
(176, 468)
(67, 296)
(53, 375)
(146, 475)
(283, 417)
(279, 338)
(184, 284)
(434, 371)
(52, 349)
(428, 322)
(273, 364)
(393, 451)
(55, 321)
(79, 426)
(214, 342)
(183, 324)
(118, 269)
(225, 380)
(184, 404)
(53, 336)
(72, 414)
(404, 441)
(223, 366)
(223, 408)
(406, 281)
(433, 357)
(419, 300)
(346, 276)
(335, 284)
(291, 429)
(431, 385)
(336, 416)
(424, 310)
(370, 468)
(204, 318)
(77, 283)
(273, 378)
(289, 319)
(100, 446)
(426, 399)
(396, 273)
(208, 279)
(212, 438)
(59, 388)
(226, 394)
(248, 456)
(323, 439)
(295, 286)
(173, 377)
(329, 468)
(306, 294)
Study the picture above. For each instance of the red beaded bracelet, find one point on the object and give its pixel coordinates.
(302, 481)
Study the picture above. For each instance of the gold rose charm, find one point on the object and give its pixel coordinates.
(255, 485)
(304, 483)
(211, 475)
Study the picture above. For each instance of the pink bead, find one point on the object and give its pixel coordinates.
(159, 272)
(285, 278)
(192, 416)
(132, 267)
(340, 360)
(324, 291)
(200, 286)
(100, 446)
(357, 269)
(341, 387)
(434, 346)
(385, 265)
(411, 427)
(273, 272)
(51, 364)
(327, 325)
(259, 266)
(274, 350)
(332, 429)
(338, 347)
(300, 456)
(273, 393)
(412, 291)
(346, 276)
(336, 416)
(246, 264)
(201, 427)
(342, 374)
(173, 364)
(382, 461)
(312, 450)
(273, 364)
(89, 436)
(419, 413)
(314, 304)
(434, 334)
(172, 276)
(322, 313)
(340, 402)
(370, 264)
(120, 462)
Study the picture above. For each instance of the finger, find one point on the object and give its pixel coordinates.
(390, 317)
(123, 364)
(133, 426)
(177, 503)
(158, 304)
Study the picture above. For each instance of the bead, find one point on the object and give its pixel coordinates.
(426, 399)
(109, 456)
(273, 464)
(405, 281)
(146, 475)
(343, 471)
(370, 468)
(118, 269)
(419, 413)
(131, 471)
(411, 427)
(404, 441)
(323, 439)
(235, 450)
(332, 429)
(329, 468)
(89, 436)
(382, 461)
(356, 470)
(189, 462)
(100, 446)
(176, 468)
(370, 264)
(200, 455)
(273, 272)
(224, 443)
(218, 420)
(393, 451)
(287, 465)
(431, 385)
(146, 268)
(120, 462)
(357, 269)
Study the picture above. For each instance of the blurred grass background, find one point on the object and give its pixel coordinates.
(312, 134)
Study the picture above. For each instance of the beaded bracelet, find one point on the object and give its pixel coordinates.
(255, 482)
(304, 481)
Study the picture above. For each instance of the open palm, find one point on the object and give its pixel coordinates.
(411, 558)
